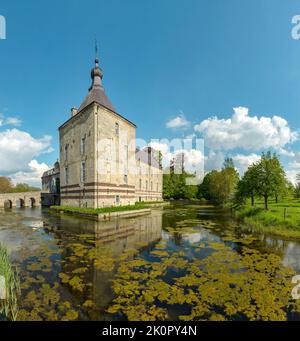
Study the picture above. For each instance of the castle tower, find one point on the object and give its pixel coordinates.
(97, 152)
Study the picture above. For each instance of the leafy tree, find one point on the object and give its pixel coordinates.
(204, 188)
(22, 187)
(248, 185)
(223, 185)
(270, 177)
(175, 187)
(297, 191)
(6, 185)
(297, 187)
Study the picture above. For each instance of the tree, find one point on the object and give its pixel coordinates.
(22, 187)
(204, 188)
(6, 185)
(297, 187)
(223, 185)
(175, 186)
(248, 185)
(270, 177)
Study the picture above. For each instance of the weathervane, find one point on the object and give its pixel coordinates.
(96, 50)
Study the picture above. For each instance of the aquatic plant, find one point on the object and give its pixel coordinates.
(9, 306)
(225, 285)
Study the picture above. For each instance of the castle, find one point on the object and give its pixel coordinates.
(100, 165)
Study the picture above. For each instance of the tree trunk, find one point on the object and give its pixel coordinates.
(266, 203)
(276, 199)
(252, 200)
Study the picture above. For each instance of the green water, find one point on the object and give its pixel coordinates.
(187, 262)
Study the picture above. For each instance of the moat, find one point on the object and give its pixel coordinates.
(188, 261)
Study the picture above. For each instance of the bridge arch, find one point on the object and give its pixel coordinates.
(32, 202)
(20, 200)
(8, 204)
(20, 203)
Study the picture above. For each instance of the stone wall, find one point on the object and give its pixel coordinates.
(26, 199)
(149, 183)
(112, 175)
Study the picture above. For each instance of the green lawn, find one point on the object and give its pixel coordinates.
(274, 220)
(137, 206)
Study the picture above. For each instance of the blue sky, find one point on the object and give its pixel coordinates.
(162, 60)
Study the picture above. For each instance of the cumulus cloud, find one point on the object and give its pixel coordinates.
(246, 132)
(214, 160)
(178, 122)
(18, 150)
(242, 162)
(292, 176)
(32, 175)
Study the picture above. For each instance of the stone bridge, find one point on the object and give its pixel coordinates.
(19, 200)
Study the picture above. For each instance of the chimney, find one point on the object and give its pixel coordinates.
(74, 111)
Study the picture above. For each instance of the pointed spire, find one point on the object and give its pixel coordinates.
(97, 73)
(96, 91)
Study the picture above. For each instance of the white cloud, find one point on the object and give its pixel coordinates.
(242, 162)
(292, 176)
(18, 150)
(246, 132)
(13, 121)
(160, 146)
(293, 169)
(214, 160)
(33, 175)
(192, 159)
(10, 121)
(178, 122)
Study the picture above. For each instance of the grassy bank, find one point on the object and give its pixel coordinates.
(282, 218)
(137, 206)
(11, 285)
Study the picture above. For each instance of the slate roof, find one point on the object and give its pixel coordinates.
(97, 94)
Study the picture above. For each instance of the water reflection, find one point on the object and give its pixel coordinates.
(77, 259)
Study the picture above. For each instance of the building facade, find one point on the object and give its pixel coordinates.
(99, 163)
(51, 186)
